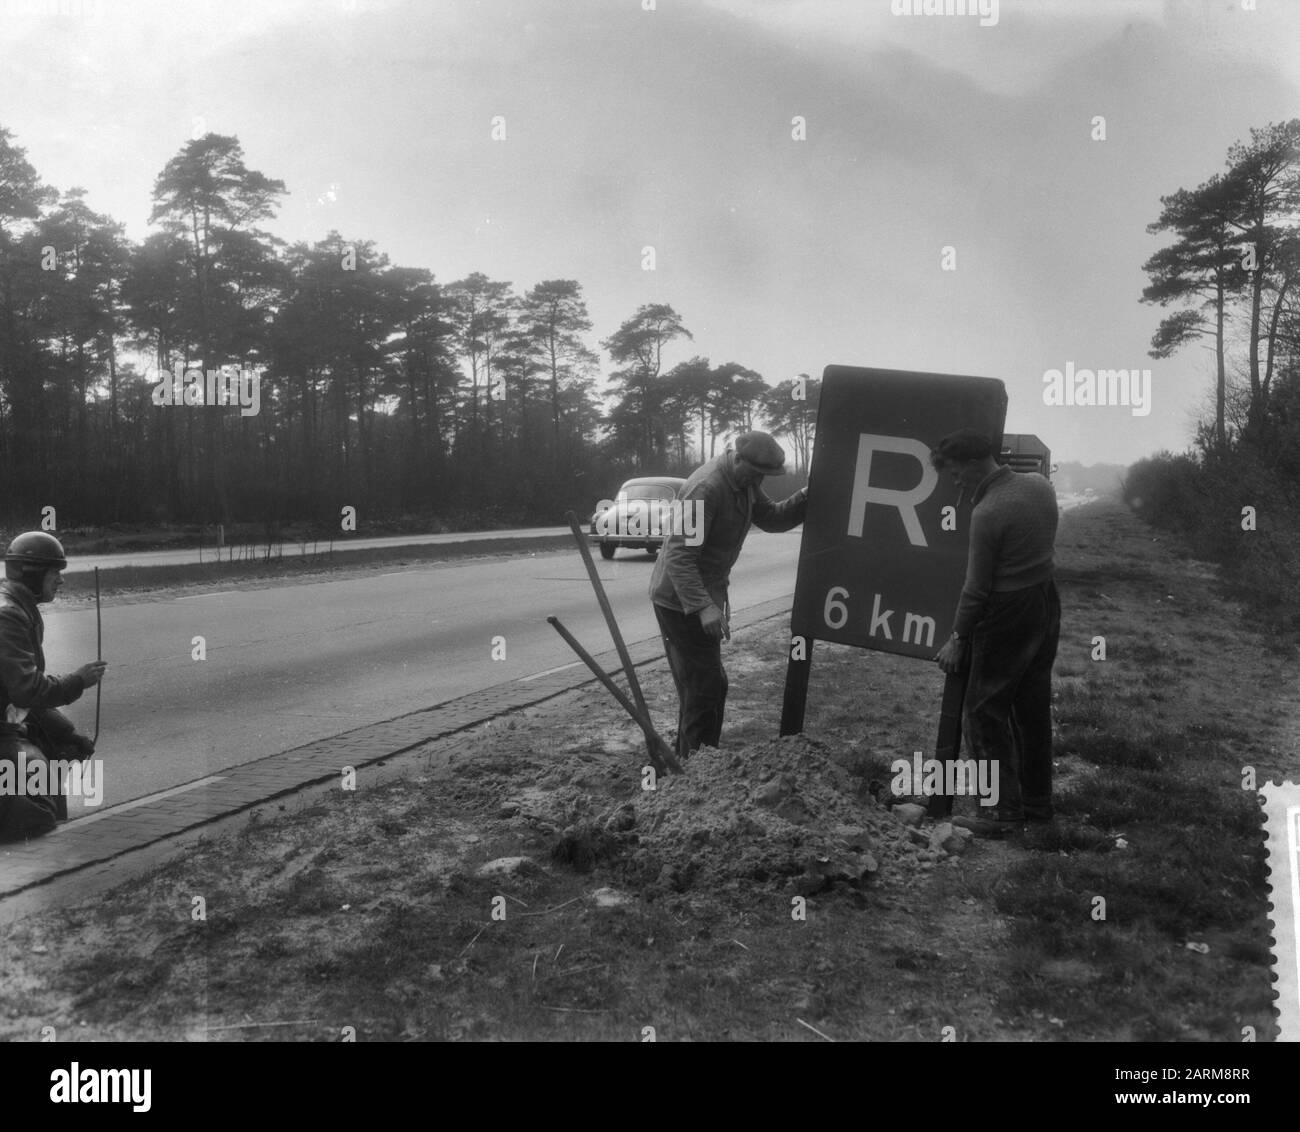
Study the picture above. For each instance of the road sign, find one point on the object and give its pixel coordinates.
(883, 554)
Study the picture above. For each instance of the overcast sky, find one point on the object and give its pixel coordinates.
(673, 128)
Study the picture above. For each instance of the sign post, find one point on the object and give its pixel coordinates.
(883, 553)
(948, 743)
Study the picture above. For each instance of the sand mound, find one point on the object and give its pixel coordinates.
(782, 813)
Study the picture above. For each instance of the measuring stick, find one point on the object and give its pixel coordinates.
(99, 653)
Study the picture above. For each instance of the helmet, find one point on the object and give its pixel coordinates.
(36, 550)
(30, 556)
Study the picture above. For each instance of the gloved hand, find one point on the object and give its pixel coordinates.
(83, 744)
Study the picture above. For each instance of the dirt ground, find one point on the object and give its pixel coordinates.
(522, 882)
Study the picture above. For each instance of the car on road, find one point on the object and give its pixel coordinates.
(639, 517)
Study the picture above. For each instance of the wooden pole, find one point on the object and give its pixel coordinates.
(796, 691)
(654, 744)
(661, 754)
(948, 744)
(607, 610)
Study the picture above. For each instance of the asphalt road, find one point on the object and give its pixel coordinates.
(297, 662)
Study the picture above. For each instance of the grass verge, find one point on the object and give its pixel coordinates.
(370, 911)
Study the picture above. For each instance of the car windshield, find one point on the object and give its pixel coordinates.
(647, 491)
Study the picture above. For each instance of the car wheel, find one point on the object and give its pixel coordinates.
(653, 551)
(607, 550)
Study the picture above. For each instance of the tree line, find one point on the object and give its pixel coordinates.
(1232, 273)
(379, 387)
(1232, 276)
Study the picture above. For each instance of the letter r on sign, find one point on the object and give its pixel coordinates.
(905, 501)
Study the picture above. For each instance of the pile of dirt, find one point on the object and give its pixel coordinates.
(782, 813)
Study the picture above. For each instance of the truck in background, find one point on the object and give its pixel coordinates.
(1026, 453)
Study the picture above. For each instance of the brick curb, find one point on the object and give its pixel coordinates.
(135, 825)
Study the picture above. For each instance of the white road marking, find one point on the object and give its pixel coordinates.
(539, 675)
(139, 802)
(219, 593)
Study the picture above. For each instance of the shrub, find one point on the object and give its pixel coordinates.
(1202, 501)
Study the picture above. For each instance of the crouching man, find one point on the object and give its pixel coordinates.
(32, 731)
(688, 588)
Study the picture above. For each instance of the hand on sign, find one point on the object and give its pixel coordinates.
(714, 623)
(952, 657)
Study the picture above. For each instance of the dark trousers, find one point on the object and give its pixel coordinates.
(1008, 713)
(24, 815)
(696, 663)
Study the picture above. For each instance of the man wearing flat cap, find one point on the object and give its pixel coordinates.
(1007, 627)
(689, 585)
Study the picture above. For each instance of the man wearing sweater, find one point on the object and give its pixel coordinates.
(1007, 626)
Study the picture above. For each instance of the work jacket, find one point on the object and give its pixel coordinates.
(23, 683)
(691, 578)
(30, 721)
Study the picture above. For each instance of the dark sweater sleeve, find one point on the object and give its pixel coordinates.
(981, 558)
(25, 685)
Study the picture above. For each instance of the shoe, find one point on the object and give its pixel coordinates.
(892, 800)
(992, 828)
